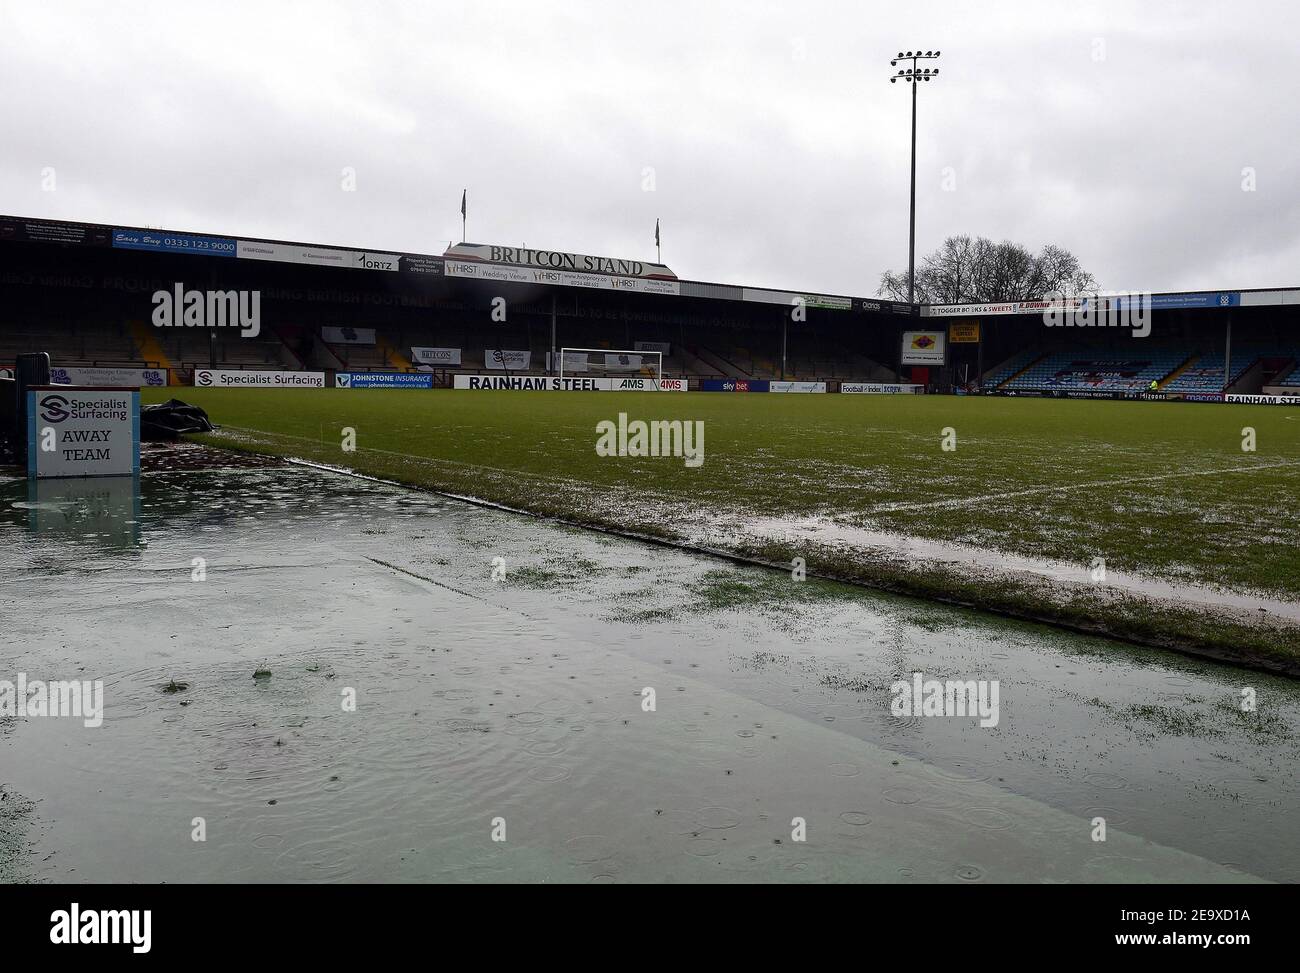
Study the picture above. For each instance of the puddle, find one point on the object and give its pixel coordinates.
(498, 666)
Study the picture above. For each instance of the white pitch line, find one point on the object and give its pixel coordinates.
(886, 508)
(414, 457)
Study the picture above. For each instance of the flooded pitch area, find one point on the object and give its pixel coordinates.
(499, 666)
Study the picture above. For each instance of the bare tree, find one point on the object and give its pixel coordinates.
(965, 270)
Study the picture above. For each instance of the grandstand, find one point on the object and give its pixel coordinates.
(1206, 374)
(1071, 371)
(83, 293)
(89, 304)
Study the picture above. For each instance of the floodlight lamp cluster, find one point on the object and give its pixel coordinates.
(913, 74)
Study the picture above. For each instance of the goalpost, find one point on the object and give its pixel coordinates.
(610, 363)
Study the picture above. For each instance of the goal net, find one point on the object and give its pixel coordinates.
(609, 363)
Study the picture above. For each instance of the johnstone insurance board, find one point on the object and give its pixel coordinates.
(75, 431)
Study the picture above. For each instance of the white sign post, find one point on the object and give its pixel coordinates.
(82, 431)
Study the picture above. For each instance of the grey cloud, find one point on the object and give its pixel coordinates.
(779, 148)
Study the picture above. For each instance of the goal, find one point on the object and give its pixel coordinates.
(610, 363)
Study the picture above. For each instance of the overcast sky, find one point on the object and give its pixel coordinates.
(764, 135)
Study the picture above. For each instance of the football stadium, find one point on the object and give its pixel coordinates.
(331, 565)
(406, 484)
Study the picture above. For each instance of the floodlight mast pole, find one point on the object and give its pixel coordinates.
(913, 75)
(911, 212)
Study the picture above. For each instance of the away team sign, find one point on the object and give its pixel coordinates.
(74, 431)
(523, 265)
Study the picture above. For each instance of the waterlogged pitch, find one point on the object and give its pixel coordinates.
(358, 682)
(328, 678)
(1159, 490)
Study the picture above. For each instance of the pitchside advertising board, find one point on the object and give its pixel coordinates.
(383, 380)
(229, 378)
(82, 431)
(110, 377)
(539, 383)
(1263, 399)
(796, 386)
(877, 388)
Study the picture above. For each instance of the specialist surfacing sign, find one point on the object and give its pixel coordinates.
(82, 431)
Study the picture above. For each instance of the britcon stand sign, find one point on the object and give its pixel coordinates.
(75, 431)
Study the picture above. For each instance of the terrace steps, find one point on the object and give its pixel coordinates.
(1172, 376)
(150, 348)
(1011, 378)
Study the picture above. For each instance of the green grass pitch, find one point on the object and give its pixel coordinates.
(1159, 489)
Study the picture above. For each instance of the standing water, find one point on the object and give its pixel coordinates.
(450, 693)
